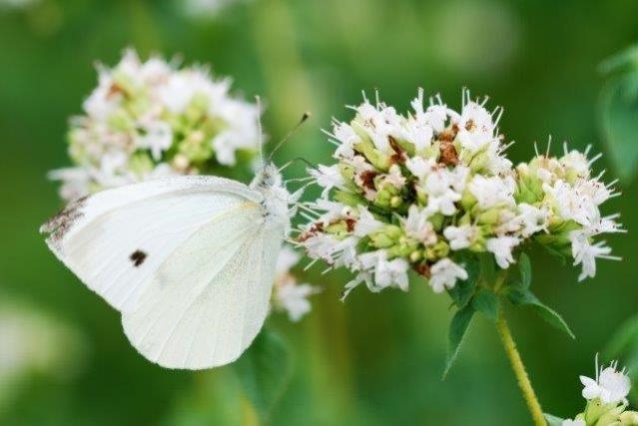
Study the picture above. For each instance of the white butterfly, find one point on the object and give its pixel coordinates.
(188, 261)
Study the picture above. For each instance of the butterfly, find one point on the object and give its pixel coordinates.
(188, 261)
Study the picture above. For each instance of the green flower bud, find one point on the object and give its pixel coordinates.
(349, 198)
(386, 237)
(396, 201)
(468, 200)
(437, 221)
(490, 217)
(604, 414)
(380, 161)
(415, 256)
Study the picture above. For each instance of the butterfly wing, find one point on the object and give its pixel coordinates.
(116, 240)
(209, 300)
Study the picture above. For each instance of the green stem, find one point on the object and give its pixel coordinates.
(519, 370)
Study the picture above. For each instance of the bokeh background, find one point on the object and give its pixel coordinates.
(378, 358)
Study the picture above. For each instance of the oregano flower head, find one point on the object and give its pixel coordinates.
(152, 119)
(433, 189)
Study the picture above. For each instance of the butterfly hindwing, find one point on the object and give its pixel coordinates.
(209, 300)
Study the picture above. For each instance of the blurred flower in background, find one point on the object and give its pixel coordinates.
(147, 120)
(205, 9)
(288, 295)
(32, 342)
(17, 4)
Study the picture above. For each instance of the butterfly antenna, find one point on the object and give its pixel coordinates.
(306, 162)
(304, 117)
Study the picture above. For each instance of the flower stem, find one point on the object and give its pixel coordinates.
(519, 370)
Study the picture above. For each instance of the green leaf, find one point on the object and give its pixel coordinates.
(458, 329)
(488, 267)
(264, 371)
(619, 122)
(553, 420)
(525, 266)
(462, 292)
(523, 297)
(486, 302)
(626, 336)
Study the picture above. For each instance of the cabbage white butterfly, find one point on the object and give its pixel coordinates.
(188, 261)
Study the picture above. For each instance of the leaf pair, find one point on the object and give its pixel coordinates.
(470, 299)
(519, 294)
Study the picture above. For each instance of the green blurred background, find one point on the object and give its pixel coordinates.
(378, 358)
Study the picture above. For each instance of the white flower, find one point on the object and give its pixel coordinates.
(346, 137)
(610, 385)
(75, 181)
(502, 248)
(390, 272)
(570, 422)
(379, 123)
(594, 190)
(395, 177)
(438, 186)
(419, 166)
(477, 118)
(533, 219)
(444, 275)
(288, 295)
(327, 177)
(157, 137)
(585, 253)
(569, 203)
(492, 191)
(461, 237)
(418, 133)
(577, 162)
(476, 128)
(321, 246)
(419, 227)
(436, 116)
(293, 298)
(345, 252)
(366, 223)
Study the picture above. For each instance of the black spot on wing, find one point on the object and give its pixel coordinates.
(138, 257)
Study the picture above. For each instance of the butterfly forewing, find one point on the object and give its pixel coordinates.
(116, 240)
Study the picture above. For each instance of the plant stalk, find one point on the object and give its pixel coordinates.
(519, 370)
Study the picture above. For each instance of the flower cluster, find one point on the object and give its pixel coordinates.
(288, 295)
(428, 190)
(150, 119)
(606, 397)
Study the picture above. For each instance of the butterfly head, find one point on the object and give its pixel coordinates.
(276, 198)
(268, 177)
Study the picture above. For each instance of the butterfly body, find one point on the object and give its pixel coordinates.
(188, 261)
